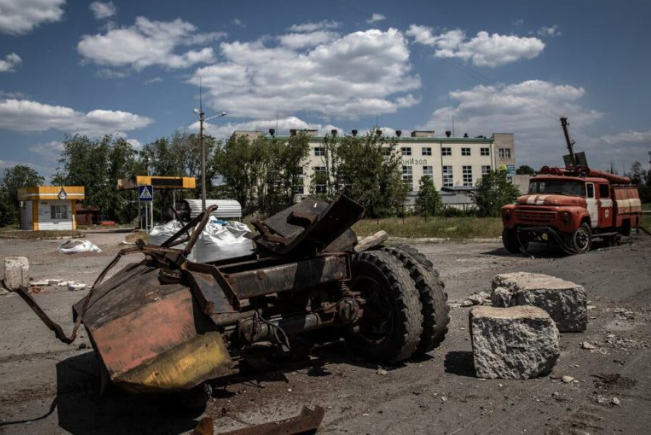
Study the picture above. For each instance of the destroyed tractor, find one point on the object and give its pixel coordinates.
(572, 206)
(167, 324)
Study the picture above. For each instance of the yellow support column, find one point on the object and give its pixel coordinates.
(35, 214)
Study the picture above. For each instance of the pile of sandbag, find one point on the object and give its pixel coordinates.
(219, 240)
(78, 246)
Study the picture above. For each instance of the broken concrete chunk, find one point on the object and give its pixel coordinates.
(73, 286)
(565, 301)
(513, 343)
(16, 272)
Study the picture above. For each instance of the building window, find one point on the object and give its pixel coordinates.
(427, 151)
(299, 188)
(386, 151)
(447, 176)
(406, 151)
(319, 151)
(467, 176)
(465, 151)
(485, 169)
(408, 177)
(58, 212)
(505, 153)
(428, 171)
(485, 151)
(446, 151)
(319, 178)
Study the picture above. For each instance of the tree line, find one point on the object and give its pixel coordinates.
(263, 174)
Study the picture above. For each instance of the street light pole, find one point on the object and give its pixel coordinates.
(203, 161)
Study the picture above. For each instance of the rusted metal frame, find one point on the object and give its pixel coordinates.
(297, 275)
(307, 420)
(193, 222)
(58, 331)
(198, 230)
(225, 287)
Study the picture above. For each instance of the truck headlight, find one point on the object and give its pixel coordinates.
(566, 218)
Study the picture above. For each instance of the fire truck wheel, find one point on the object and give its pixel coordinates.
(391, 326)
(582, 239)
(436, 312)
(510, 240)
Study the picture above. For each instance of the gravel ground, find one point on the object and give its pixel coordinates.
(48, 387)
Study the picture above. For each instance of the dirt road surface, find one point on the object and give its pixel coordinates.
(48, 387)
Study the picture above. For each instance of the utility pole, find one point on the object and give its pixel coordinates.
(203, 161)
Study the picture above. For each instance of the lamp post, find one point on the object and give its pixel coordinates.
(202, 119)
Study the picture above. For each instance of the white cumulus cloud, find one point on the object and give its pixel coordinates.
(491, 50)
(311, 27)
(549, 31)
(357, 74)
(531, 110)
(18, 17)
(10, 62)
(630, 136)
(102, 10)
(26, 115)
(50, 151)
(297, 41)
(148, 43)
(375, 18)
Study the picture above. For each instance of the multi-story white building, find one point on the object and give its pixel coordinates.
(454, 163)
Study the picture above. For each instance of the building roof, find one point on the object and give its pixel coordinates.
(51, 192)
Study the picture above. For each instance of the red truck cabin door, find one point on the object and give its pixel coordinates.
(605, 206)
(593, 207)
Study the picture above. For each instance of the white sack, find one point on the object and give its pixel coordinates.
(77, 246)
(219, 242)
(160, 233)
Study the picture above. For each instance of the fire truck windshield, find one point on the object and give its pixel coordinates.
(563, 187)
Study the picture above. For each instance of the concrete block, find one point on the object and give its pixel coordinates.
(16, 272)
(519, 342)
(565, 301)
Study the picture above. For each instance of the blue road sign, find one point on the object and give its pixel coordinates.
(146, 193)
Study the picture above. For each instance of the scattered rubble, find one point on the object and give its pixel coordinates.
(587, 345)
(16, 272)
(519, 342)
(567, 379)
(565, 301)
(481, 298)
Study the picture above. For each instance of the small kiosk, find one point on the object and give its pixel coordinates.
(49, 207)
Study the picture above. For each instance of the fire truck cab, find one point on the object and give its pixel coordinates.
(570, 208)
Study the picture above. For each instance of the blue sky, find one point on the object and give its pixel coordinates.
(133, 68)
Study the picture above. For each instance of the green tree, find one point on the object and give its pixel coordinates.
(262, 174)
(492, 192)
(14, 178)
(428, 201)
(525, 170)
(366, 169)
(98, 165)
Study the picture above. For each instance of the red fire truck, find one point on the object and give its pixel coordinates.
(570, 207)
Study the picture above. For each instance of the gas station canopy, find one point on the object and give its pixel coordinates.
(158, 182)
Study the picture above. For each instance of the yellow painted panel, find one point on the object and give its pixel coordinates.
(50, 192)
(35, 215)
(183, 367)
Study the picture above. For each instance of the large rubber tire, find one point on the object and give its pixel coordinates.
(510, 240)
(434, 300)
(391, 326)
(582, 239)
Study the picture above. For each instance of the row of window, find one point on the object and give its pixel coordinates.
(427, 151)
(408, 176)
(448, 175)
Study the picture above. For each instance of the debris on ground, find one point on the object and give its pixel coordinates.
(587, 345)
(565, 301)
(519, 342)
(16, 272)
(567, 379)
(78, 246)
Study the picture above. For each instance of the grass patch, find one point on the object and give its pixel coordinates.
(33, 235)
(443, 227)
